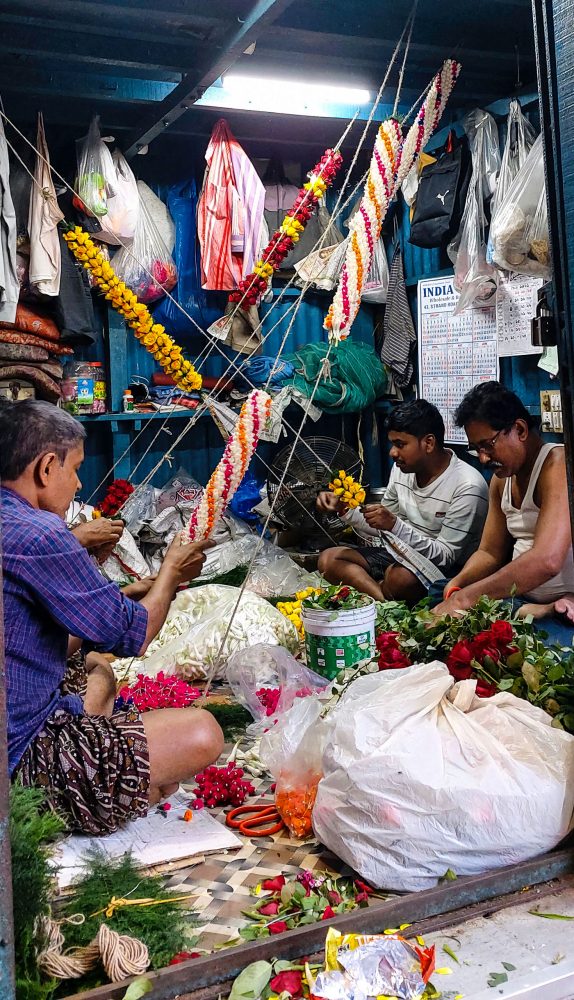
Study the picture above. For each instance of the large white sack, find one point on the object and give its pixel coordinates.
(421, 776)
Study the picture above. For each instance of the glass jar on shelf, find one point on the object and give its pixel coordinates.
(84, 388)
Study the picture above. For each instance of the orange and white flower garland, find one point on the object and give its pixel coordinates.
(392, 160)
(136, 314)
(231, 469)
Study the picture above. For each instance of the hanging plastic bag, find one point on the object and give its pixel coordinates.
(96, 174)
(119, 224)
(274, 670)
(182, 204)
(474, 278)
(519, 233)
(421, 776)
(520, 136)
(377, 283)
(146, 266)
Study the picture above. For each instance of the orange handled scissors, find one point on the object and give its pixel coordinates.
(260, 815)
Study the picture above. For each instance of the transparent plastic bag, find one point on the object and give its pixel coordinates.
(292, 752)
(205, 625)
(146, 266)
(119, 225)
(377, 283)
(96, 174)
(474, 278)
(520, 136)
(519, 234)
(273, 667)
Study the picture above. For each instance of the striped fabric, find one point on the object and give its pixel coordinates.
(230, 212)
(399, 335)
(251, 193)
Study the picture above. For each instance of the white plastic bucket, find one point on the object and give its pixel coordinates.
(338, 639)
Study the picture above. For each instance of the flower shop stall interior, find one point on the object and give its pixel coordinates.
(235, 239)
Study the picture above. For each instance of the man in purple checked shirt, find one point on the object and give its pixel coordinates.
(100, 769)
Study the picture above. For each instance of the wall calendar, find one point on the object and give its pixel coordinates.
(455, 351)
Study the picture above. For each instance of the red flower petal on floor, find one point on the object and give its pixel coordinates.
(269, 910)
(277, 927)
(183, 956)
(290, 981)
(427, 960)
(274, 884)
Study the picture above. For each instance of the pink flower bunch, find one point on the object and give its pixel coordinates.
(221, 786)
(163, 691)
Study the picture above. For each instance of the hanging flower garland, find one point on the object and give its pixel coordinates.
(392, 160)
(230, 471)
(254, 285)
(137, 315)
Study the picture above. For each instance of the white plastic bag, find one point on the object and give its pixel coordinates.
(520, 136)
(190, 641)
(119, 225)
(421, 776)
(474, 278)
(96, 174)
(146, 266)
(274, 667)
(519, 233)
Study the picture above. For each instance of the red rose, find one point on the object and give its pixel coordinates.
(274, 884)
(361, 898)
(269, 910)
(277, 927)
(484, 689)
(328, 913)
(334, 897)
(290, 982)
(183, 956)
(502, 632)
(364, 887)
(461, 654)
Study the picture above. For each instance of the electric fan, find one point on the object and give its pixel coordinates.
(293, 492)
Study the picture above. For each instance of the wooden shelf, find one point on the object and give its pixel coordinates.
(102, 418)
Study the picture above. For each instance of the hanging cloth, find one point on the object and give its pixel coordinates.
(250, 203)
(399, 335)
(9, 283)
(45, 214)
(221, 269)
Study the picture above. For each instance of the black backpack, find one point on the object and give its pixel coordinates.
(441, 196)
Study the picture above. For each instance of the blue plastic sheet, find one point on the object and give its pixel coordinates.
(182, 203)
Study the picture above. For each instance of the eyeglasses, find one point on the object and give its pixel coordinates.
(486, 446)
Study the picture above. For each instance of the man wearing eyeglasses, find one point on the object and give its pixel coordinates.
(526, 545)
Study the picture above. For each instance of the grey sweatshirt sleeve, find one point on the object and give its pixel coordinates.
(460, 533)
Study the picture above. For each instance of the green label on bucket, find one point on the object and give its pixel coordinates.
(328, 654)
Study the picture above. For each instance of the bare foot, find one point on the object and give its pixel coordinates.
(565, 608)
(536, 610)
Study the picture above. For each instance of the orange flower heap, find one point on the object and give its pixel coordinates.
(137, 315)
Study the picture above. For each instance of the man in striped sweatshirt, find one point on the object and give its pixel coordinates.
(430, 521)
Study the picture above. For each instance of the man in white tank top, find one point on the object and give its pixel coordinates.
(431, 518)
(526, 545)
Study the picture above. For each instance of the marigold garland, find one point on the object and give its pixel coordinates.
(137, 315)
(392, 159)
(230, 471)
(254, 285)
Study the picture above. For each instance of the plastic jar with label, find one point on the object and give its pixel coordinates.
(84, 387)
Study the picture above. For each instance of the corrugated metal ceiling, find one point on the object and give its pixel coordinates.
(136, 61)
